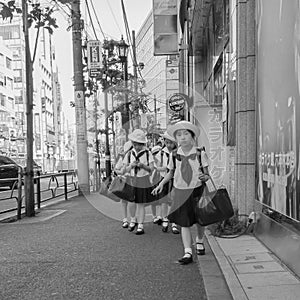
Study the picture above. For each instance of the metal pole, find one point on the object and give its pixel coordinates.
(107, 151)
(97, 162)
(127, 112)
(113, 127)
(136, 112)
(155, 121)
(80, 111)
(29, 186)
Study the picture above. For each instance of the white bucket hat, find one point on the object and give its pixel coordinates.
(184, 125)
(138, 136)
(127, 146)
(155, 149)
(167, 136)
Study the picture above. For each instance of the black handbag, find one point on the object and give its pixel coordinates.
(123, 187)
(213, 207)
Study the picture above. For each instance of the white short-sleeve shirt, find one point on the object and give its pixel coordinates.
(142, 159)
(179, 183)
(163, 159)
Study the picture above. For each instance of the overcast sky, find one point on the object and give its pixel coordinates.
(110, 17)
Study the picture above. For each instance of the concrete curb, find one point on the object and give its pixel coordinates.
(233, 282)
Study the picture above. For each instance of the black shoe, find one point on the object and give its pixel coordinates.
(125, 224)
(186, 259)
(157, 221)
(165, 225)
(140, 231)
(175, 229)
(131, 226)
(200, 249)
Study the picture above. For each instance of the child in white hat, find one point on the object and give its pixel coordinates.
(140, 164)
(155, 178)
(119, 170)
(188, 183)
(170, 145)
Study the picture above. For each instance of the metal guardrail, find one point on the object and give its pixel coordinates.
(57, 189)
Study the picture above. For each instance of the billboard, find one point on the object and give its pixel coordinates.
(165, 27)
(94, 55)
(278, 110)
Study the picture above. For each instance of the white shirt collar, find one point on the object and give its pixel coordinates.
(193, 150)
(166, 150)
(136, 153)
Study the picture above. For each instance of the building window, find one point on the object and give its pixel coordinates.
(2, 100)
(1, 59)
(18, 76)
(9, 83)
(10, 32)
(18, 99)
(8, 63)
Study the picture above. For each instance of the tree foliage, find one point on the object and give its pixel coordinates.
(38, 16)
(7, 9)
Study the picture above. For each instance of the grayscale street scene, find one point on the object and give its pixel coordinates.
(150, 149)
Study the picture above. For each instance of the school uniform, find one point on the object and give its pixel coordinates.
(163, 158)
(187, 187)
(141, 176)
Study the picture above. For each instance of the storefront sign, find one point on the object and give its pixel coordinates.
(177, 102)
(94, 58)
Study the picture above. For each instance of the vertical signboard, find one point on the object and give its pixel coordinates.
(94, 58)
(278, 111)
(165, 27)
(209, 120)
(172, 87)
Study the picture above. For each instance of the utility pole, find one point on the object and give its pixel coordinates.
(80, 111)
(127, 112)
(155, 120)
(136, 113)
(107, 151)
(97, 162)
(29, 187)
(113, 127)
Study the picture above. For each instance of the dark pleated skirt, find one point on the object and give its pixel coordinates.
(143, 190)
(183, 205)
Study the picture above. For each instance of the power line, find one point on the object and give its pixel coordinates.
(133, 57)
(97, 19)
(88, 8)
(112, 12)
(60, 7)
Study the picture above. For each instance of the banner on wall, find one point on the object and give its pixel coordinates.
(165, 27)
(278, 111)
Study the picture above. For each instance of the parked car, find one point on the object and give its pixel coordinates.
(8, 169)
(36, 167)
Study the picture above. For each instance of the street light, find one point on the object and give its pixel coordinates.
(122, 49)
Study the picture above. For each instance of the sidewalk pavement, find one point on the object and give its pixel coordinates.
(252, 271)
(241, 265)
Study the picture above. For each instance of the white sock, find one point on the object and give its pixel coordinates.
(199, 240)
(187, 252)
(140, 226)
(125, 220)
(133, 220)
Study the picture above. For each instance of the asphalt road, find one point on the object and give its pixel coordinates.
(83, 254)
